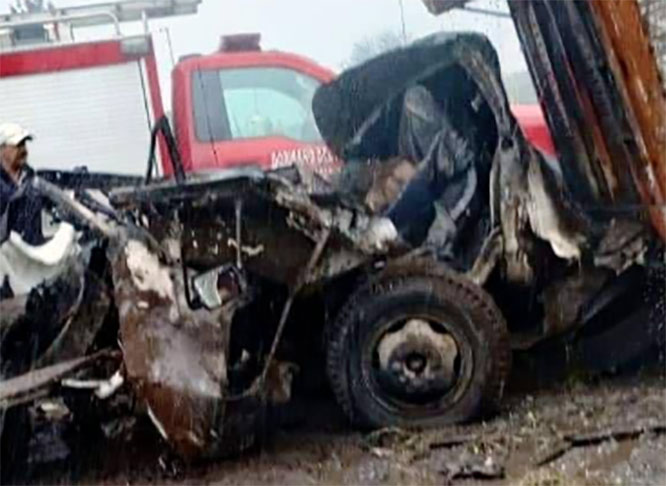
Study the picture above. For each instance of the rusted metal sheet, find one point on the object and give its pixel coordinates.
(174, 357)
(654, 19)
(634, 66)
(580, 108)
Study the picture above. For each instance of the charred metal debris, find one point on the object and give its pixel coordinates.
(173, 301)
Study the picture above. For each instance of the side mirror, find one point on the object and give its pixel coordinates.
(218, 287)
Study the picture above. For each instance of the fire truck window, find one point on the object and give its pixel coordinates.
(210, 120)
(257, 102)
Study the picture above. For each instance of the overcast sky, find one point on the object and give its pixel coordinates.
(324, 30)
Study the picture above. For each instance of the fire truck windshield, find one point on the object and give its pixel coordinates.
(242, 103)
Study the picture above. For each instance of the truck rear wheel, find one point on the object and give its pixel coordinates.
(421, 347)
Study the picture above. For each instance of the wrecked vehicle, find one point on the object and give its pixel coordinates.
(199, 344)
(215, 290)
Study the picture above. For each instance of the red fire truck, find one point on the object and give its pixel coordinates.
(93, 103)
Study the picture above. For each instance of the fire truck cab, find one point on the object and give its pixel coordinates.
(245, 106)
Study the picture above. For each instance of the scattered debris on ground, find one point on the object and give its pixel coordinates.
(613, 432)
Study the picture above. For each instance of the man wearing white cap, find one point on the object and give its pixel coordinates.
(23, 215)
(13, 150)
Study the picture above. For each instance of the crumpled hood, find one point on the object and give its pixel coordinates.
(349, 106)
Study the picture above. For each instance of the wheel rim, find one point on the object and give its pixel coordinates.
(417, 365)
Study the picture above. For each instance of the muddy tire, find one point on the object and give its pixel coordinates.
(418, 347)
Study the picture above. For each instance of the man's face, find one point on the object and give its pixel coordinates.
(14, 155)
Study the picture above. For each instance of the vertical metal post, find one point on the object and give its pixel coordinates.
(239, 243)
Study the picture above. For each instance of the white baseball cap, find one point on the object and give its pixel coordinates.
(13, 134)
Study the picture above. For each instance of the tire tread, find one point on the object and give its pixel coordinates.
(452, 287)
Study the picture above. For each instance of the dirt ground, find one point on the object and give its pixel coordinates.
(580, 430)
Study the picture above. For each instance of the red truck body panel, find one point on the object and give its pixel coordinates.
(78, 56)
(84, 63)
(533, 123)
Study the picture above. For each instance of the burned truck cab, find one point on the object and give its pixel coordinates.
(523, 224)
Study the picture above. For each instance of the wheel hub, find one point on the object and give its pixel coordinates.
(416, 361)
